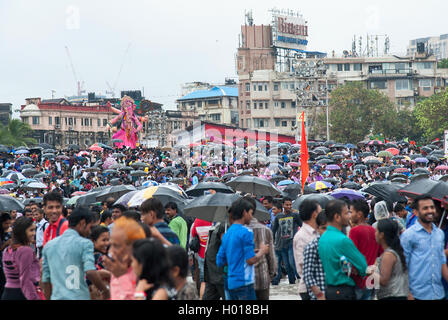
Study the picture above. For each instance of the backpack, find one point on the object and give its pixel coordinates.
(194, 244)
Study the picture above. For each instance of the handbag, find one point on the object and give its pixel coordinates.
(195, 244)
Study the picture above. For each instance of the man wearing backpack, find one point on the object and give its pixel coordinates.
(53, 211)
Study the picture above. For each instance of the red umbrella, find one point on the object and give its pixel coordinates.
(399, 170)
(95, 147)
(394, 151)
(375, 143)
(294, 164)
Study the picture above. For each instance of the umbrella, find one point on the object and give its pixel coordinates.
(10, 186)
(23, 151)
(92, 169)
(150, 183)
(444, 178)
(82, 153)
(371, 158)
(386, 191)
(391, 145)
(114, 191)
(366, 154)
(45, 145)
(399, 180)
(321, 198)
(324, 162)
(165, 193)
(228, 176)
(350, 146)
(398, 175)
(277, 178)
(441, 167)
(333, 167)
(320, 185)
(62, 157)
(25, 159)
(433, 158)
(295, 189)
(139, 164)
(373, 161)
(4, 191)
(215, 207)
(419, 176)
(437, 189)
(347, 193)
(421, 160)
(348, 161)
(254, 185)
(211, 179)
(126, 168)
(48, 155)
(116, 166)
(375, 143)
(15, 176)
(397, 157)
(124, 199)
(95, 147)
(29, 172)
(331, 180)
(137, 173)
(351, 185)
(382, 169)
(384, 154)
(73, 147)
(415, 156)
(35, 185)
(78, 193)
(8, 203)
(285, 183)
(118, 155)
(88, 198)
(422, 170)
(167, 170)
(426, 149)
(199, 189)
(294, 164)
(401, 170)
(116, 140)
(360, 167)
(26, 166)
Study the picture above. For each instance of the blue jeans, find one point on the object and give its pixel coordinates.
(287, 256)
(243, 293)
(364, 294)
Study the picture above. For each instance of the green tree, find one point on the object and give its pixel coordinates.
(356, 112)
(16, 133)
(432, 115)
(443, 64)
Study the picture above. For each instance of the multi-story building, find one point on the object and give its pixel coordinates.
(60, 123)
(438, 46)
(5, 113)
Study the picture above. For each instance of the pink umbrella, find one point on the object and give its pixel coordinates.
(294, 164)
(441, 167)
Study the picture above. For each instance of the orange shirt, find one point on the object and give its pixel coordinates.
(50, 232)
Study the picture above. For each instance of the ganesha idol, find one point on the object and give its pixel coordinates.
(131, 124)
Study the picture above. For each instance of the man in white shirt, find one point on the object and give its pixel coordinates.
(308, 210)
(41, 225)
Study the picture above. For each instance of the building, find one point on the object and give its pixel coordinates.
(438, 46)
(58, 122)
(5, 113)
(217, 104)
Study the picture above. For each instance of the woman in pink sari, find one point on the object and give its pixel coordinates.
(130, 125)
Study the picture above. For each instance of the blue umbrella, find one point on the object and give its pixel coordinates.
(150, 183)
(350, 146)
(348, 193)
(285, 182)
(421, 160)
(22, 151)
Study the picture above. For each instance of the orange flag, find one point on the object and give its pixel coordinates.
(304, 156)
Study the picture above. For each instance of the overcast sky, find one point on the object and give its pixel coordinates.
(173, 41)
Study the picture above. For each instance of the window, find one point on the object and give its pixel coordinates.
(248, 122)
(98, 122)
(57, 120)
(403, 84)
(248, 105)
(255, 87)
(426, 84)
(260, 87)
(199, 104)
(36, 120)
(70, 121)
(346, 66)
(266, 105)
(215, 117)
(277, 122)
(284, 123)
(424, 65)
(74, 121)
(276, 84)
(261, 123)
(260, 105)
(339, 67)
(378, 84)
(293, 104)
(283, 104)
(265, 87)
(65, 120)
(293, 123)
(248, 87)
(255, 105)
(357, 67)
(213, 102)
(291, 86)
(285, 85)
(104, 122)
(276, 104)
(50, 121)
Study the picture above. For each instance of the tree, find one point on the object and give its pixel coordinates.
(432, 115)
(356, 112)
(443, 64)
(16, 133)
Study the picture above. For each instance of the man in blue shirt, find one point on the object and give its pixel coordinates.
(68, 259)
(423, 245)
(237, 251)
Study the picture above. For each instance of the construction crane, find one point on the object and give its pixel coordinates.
(79, 84)
(112, 88)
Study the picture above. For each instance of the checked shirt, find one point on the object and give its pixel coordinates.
(313, 272)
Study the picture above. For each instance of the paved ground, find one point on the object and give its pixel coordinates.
(284, 291)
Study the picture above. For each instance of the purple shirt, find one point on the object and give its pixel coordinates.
(22, 270)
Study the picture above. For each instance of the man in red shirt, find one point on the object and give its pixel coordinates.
(53, 211)
(363, 236)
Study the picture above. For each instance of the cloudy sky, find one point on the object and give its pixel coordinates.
(162, 44)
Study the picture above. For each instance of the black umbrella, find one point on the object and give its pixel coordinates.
(27, 166)
(419, 176)
(10, 186)
(278, 178)
(348, 161)
(332, 180)
(228, 176)
(351, 185)
(254, 185)
(391, 145)
(294, 189)
(444, 178)
(421, 170)
(29, 172)
(199, 189)
(138, 173)
(116, 166)
(88, 198)
(437, 189)
(426, 149)
(415, 156)
(167, 170)
(40, 175)
(114, 191)
(211, 179)
(398, 175)
(215, 207)
(8, 203)
(126, 168)
(433, 158)
(319, 151)
(382, 170)
(26, 159)
(74, 147)
(386, 191)
(373, 161)
(399, 180)
(139, 164)
(397, 157)
(321, 198)
(360, 167)
(366, 154)
(49, 151)
(115, 181)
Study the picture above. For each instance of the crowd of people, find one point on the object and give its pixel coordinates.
(362, 248)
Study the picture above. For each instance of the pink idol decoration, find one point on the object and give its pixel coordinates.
(130, 124)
